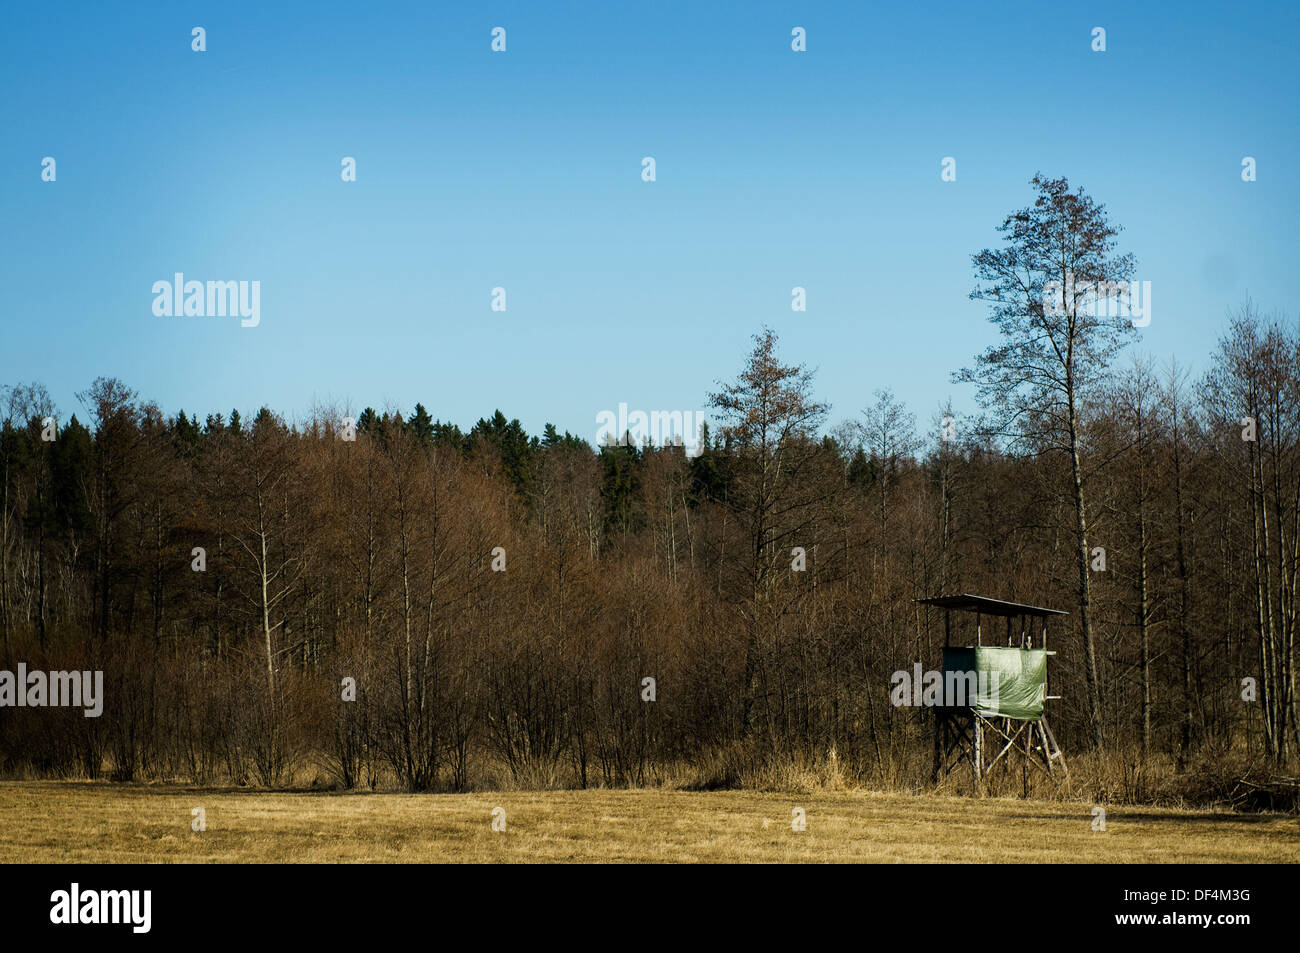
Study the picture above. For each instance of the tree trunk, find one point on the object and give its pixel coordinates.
(1085, 586)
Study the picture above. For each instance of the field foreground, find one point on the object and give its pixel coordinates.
(77, 822)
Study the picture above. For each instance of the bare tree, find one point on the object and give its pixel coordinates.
(1254, 388)
(770, 420)
(1051, 291)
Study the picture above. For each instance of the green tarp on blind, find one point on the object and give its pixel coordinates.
(1019, 688)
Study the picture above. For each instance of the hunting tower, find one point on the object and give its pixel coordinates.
(994, 689)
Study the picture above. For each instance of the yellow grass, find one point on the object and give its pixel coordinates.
(51, 822)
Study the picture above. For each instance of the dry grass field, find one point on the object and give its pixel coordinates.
(52, 822)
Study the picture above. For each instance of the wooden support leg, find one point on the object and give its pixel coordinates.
(938, 743)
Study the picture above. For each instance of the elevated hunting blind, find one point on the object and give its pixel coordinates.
(994, 689)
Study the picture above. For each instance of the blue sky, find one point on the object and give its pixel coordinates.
(522, 170)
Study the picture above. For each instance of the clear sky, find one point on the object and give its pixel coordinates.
(522, 169)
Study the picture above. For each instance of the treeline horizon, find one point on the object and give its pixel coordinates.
(431, 609)
(378, 567)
